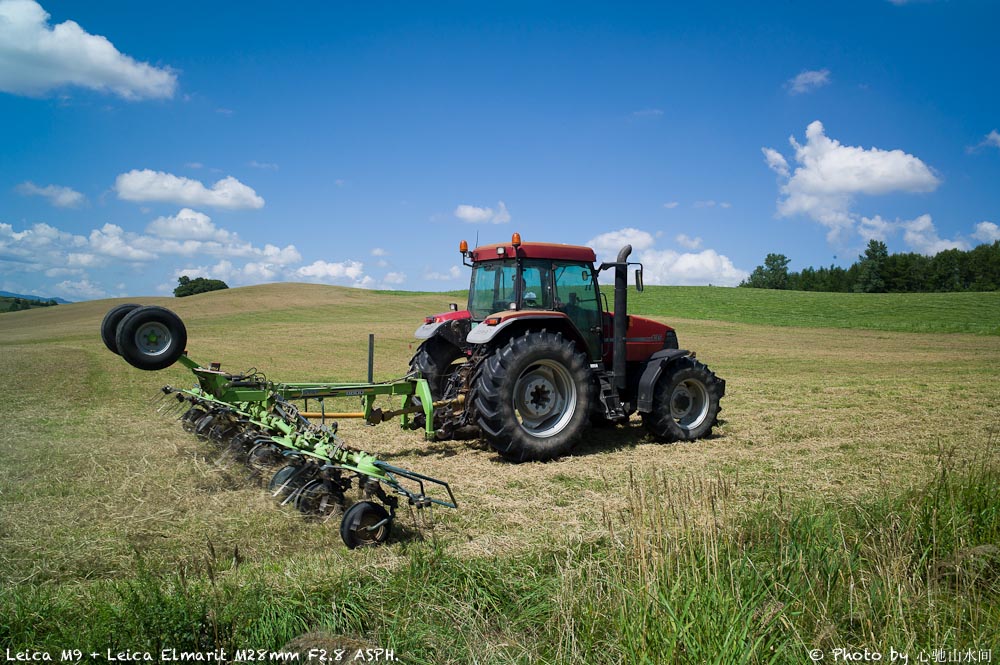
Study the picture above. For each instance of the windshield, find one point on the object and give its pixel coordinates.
(492, 288)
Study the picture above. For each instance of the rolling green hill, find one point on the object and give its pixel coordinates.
(847, 500)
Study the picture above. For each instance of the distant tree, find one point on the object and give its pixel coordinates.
(871, 266)
(188, 287)
(772, 275)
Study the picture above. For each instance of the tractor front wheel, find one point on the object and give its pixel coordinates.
(534, 397)
(685, 402)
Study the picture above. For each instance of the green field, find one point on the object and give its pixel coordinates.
(849, 499)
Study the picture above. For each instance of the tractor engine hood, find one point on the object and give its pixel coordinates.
(432, 323)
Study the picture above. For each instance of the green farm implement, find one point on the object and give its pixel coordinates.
(270, 426)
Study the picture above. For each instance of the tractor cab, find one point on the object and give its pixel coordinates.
(535, 279)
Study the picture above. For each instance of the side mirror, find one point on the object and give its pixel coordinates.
(638, 280)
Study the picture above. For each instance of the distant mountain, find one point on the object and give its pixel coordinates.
(8, 294)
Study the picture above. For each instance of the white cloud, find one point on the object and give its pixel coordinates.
(378, 251)
(876, 228)
(922, 237)
(704, 204)
(188, 225)
(79, 290)
(195, 165)
(990, 140)
(36, 58)
(608, 244)
(705, 267)
(987, 232)
(394, 278)
(148, 185)
(323, 271)
(776, 161)
(829, 175)
(110, 240)
(61, 197)
(475, 215)
(808, 81)
(670, 205)
(454, 272)
(267, 166)
(668, 266)
(919, 235)
(687, 241)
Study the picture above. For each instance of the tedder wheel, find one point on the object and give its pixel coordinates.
(316, 499)
(109, 326)
(287, 480)
(189, 421)
(534, 397)
(365, 524)
(151, 338)
(685, 402)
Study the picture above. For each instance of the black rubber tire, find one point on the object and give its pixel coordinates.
(287, 480)
(683, 380)
(354, 527)
(498, 417)
(156, 319)
(433, 360)
(109, 326)
(189, 421)
(317, 500)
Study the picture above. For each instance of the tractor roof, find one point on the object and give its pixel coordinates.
(535, 250)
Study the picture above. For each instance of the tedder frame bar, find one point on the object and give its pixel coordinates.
(236, 389)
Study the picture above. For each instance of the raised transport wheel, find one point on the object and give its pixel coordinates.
(151, 338)
(109, 326)
(365, 524)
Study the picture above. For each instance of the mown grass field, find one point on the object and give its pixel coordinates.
(848, 500)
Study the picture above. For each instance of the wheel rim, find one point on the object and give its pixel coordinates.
(364, 532)
(544, 398)
(153, 338)
(689, 404)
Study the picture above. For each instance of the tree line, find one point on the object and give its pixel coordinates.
(877, 271)
(20, 304)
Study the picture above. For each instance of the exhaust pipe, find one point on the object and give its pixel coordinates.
(621, 316)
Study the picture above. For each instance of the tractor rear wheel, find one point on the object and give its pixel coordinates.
(685, 402)
(534, 397)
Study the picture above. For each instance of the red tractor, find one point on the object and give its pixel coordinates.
(537, 356)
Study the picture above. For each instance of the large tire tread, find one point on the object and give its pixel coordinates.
(494, 391)
(660, 423)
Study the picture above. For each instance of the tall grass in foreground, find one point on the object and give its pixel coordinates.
(678, 577)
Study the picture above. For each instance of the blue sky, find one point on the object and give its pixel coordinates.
(358, 143)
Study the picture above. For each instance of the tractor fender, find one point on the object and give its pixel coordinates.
(427, 330)
(485, 333)
(451, 330)
(651, 374)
